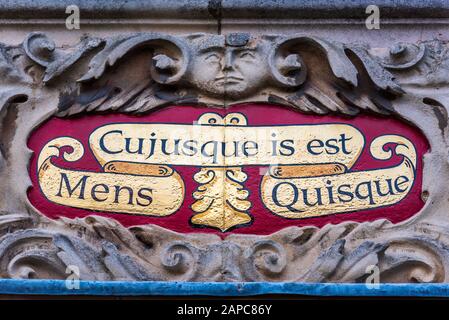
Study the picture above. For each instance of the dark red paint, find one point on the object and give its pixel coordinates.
(264, 222)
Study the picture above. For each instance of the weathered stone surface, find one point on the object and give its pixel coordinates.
(285, 9)
(140, 71)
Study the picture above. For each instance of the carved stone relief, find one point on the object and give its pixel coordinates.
(140, 73)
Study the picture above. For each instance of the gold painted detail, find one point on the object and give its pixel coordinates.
(212, 143)
(221, 198)
(309, 190)
(153, 190)
(308, 169)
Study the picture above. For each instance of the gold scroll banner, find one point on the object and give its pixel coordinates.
(229, 145)
(317, 190)
(154, 190)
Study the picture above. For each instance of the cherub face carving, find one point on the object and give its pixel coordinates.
(227, 70)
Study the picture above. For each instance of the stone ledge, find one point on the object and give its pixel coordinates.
(222, 9)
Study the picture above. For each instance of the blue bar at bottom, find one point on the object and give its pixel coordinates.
(144, 288)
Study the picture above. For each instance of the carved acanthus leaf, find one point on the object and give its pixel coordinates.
(118, 47)
(102, 249)
(42, 50)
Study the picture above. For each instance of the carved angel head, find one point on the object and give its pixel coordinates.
(230, 66)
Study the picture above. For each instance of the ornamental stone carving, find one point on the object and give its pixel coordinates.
(77, 122)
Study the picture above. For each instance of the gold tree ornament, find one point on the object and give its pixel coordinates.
(221, 198)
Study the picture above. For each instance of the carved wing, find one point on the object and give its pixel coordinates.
(337, 78)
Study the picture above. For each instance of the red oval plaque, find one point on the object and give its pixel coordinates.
(250, 169)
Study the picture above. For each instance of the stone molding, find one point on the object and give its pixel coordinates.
(222, 9)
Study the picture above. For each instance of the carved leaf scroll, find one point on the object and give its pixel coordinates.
(292, 65)
(293, 254)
